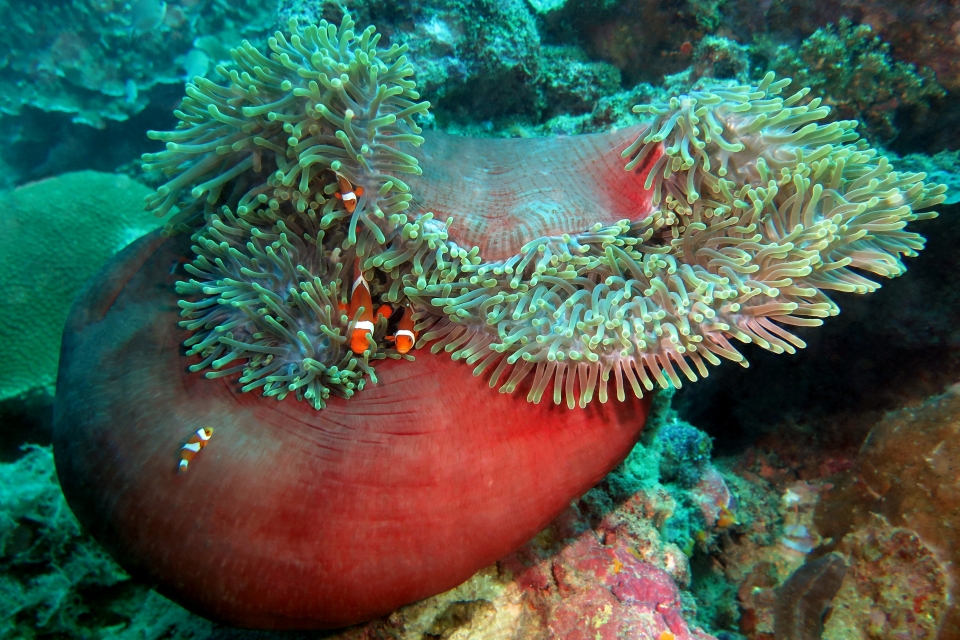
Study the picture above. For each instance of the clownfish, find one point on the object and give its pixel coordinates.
(348, 194)
(196, 442)
(360, 297)
(405, 337)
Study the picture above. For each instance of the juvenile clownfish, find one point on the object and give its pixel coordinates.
(196, 442)
(405, 337)
(348, 194)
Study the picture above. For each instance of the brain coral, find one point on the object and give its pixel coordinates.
(88, 217)
(587, 269)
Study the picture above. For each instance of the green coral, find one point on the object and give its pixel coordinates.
(87, 217)
(707, 13)
(854, 72)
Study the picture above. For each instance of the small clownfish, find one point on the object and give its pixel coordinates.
(360, 297)
(348, 194)
(196, 442)
(405, 337)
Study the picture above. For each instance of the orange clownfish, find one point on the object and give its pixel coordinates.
(360, 297)
(405, 337)
(196, 442)
(348, 194)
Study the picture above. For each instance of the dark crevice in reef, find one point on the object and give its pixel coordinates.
(639, 38)
(928, 130)
(25, 420)
(38, 144)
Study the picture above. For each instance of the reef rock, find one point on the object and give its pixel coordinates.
(905, 477)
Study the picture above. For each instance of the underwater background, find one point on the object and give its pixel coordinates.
(751, 502)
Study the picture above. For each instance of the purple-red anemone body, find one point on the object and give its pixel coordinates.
(296, 518)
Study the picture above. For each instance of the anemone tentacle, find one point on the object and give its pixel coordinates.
(759, 210)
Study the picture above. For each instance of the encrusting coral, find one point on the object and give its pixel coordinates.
(759, 210)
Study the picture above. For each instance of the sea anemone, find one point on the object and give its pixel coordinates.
(756, 209)
(538, 266)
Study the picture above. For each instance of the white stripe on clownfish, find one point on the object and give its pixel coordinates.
(196, 442)
(360, 281)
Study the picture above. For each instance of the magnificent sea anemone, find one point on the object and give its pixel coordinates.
(573, 275)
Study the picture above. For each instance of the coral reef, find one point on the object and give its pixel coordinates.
(98, 60)
(88, 217)
(572, 83)
(943, 168)
(45, 561)
(686, 451)
(860, 545)
(898, 586)
(621, 581)
(714, 59)
(462, 51)
(853, 71)
(708, 13)
(921, 32)
(729, 214)
(478, 60)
